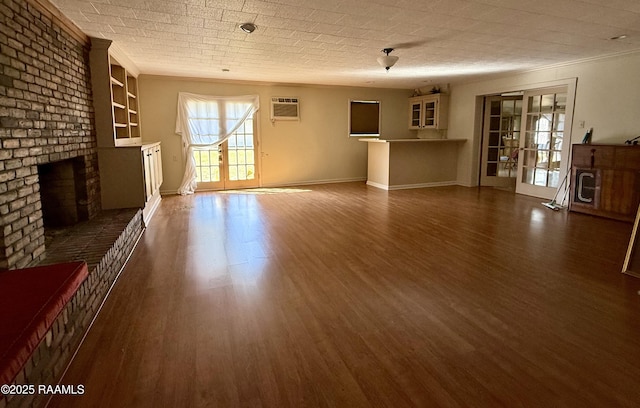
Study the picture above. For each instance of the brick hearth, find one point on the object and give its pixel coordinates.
(105, 243)
(87, 241)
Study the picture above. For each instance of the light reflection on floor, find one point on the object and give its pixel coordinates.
(538, 215)
(227, 243)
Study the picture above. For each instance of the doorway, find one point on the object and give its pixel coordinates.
(232, 164)
(500, 140)
(526, 137)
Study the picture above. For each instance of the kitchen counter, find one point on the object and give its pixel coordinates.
(412, 163)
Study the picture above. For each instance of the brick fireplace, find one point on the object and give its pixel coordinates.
(46, 116)
(48, 160)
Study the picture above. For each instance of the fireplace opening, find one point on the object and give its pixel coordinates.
(62, 195)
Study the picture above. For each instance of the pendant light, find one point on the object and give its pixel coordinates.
(387, 61)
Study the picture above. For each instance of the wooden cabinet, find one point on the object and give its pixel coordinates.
(605, 180)
(130, 172)
(428, 112)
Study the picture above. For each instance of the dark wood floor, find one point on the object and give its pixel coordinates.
(349, 296)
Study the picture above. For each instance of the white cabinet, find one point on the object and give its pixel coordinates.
(152, 159)
(152, 163)
(428, 112)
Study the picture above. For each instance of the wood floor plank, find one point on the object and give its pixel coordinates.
(349, 296)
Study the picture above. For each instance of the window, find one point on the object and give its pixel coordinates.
(364, 118)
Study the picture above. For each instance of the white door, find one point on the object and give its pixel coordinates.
(500, 141)
(231, 165)
(545, 140)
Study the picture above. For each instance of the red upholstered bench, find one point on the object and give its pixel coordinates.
(30, 301)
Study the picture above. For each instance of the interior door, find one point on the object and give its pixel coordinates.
(544, 148)
(500, 140)
(231, 165)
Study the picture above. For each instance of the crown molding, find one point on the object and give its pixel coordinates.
(584, 60)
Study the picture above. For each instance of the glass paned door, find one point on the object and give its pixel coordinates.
(230, 165)
(542, 151)
(208, 167)
(500, 140)
(241, 164)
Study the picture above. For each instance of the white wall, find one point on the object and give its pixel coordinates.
(607, 99)
(315, 149)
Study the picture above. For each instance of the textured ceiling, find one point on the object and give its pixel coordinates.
(336, 42)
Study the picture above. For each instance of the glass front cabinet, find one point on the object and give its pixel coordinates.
(428, 112)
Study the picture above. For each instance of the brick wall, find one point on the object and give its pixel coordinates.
(46, 115)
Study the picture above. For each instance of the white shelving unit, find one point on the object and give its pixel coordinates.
(130, 171)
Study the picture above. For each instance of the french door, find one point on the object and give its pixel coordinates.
(500, 140)
(544, 147)
(231, 165)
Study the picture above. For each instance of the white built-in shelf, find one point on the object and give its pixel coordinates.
(116, 82)
(124, 92)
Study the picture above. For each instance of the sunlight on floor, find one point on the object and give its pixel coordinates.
(275, 190)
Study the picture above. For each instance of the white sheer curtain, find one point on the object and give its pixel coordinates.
(206, 121)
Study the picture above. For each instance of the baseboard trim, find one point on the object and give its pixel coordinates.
(314, 182)
(150, 209)
(377, 185)
(411, 186)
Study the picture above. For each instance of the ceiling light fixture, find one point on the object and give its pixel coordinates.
(248, 27)
(387, 61)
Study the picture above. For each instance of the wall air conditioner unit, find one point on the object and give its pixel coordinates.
(285, 109)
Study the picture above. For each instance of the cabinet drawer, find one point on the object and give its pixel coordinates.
(587, 156)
